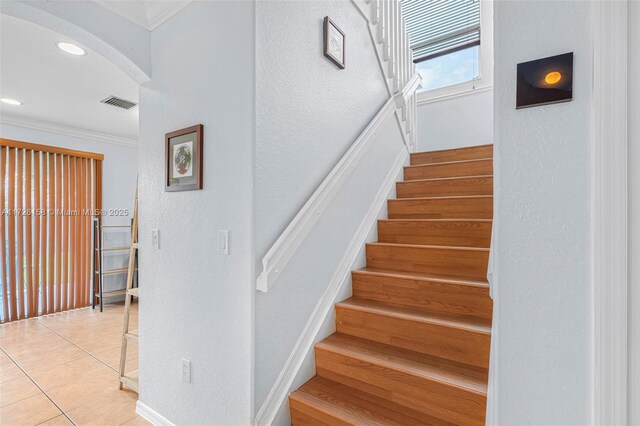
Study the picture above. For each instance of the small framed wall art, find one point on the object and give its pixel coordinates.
(545, 81)
(183, 169)
(334, 42)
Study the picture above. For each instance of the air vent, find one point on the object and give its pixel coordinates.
(118, 102)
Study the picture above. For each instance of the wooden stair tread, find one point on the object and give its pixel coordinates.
(484, 249)
(438, 179)
(444, 163)
(442, 197)
(427, 292)
(441, 207)
(415, 363)
(427, 220)
(445, 186)
(417, 315)
(423, 276)
(474, 167)
(436, 231)
(341, 403)
(452, 154)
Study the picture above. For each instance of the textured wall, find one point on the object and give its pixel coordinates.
(308, 113)
(282, 313)
(542, 221)
(195, 303)
(634, 214)
(458, 122)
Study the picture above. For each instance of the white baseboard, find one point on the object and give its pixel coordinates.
(151, 415)
(280, 389)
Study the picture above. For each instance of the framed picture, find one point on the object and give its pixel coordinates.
(183, 167)
(545, 81)
(333, 42)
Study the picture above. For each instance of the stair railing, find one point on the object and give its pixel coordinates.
(388, 33)
(388, 30)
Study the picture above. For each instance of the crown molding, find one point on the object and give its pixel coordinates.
(148, 14)
(160, 11)
(133, 11)
(69, 131)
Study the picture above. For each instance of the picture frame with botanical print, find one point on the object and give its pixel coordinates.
(334, 42)
(183, 168)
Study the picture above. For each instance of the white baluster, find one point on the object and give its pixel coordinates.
(407, 128)
(381, 22)
(397, 43)
(405, 50)
(392, 36)
(401, 56)
(385, 30)
(375, 12)
(389, 28)
(415, 121)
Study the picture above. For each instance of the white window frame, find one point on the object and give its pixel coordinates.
(484, 81)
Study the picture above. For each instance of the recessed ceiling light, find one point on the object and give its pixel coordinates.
(71, 48)
(10, 101)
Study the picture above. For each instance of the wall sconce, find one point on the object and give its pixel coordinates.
(545, 81)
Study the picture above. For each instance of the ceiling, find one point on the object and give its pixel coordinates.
(60, 89)
(149, 14)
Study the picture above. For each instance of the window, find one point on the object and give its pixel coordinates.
(446, 37)
(452, 68)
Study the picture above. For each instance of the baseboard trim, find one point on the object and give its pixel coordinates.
(280, 389)
(151, 415)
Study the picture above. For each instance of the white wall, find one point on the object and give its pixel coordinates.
(634, 214)
(456, 122)
(308, 113)
(197, 304)
(542, 221)
(282, 313)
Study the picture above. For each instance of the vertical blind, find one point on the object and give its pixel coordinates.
(48, 198)
(438, 27)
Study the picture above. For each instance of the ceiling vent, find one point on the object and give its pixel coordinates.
(118, 102)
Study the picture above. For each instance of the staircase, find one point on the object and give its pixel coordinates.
(412, 344)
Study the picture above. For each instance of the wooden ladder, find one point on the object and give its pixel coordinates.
(130, 379)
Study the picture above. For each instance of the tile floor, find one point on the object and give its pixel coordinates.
(61, 369)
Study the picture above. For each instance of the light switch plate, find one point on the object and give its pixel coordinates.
(223, 242)
(155, 239)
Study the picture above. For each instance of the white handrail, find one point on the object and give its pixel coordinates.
(387, 28)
